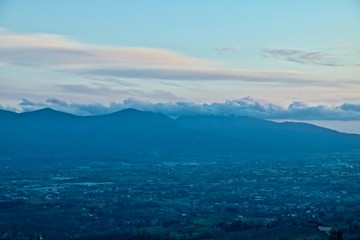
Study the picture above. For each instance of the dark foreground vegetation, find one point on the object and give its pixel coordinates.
(283, 197)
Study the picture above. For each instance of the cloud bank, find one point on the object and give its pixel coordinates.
(247, 106)
(59, 53)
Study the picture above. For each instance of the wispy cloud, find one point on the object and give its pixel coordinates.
(247, 106)
(302, 56)
(231, 50)
(61, 53)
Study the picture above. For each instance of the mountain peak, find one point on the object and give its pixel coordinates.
(129, 111)
(134, 113)
(47, 112)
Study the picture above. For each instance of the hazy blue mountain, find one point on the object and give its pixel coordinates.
(256, 135)
(5, 113)
(53, 134)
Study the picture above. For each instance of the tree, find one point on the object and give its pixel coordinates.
(336, 235)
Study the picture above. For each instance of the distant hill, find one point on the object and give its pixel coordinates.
(129, 133)
(256, 135)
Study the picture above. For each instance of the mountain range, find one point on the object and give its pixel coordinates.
(47, 133)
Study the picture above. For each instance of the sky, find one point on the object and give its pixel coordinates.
(283, 60)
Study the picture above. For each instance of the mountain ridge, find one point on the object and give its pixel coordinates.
(133, 133)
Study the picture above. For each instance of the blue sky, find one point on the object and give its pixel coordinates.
(203, 52)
